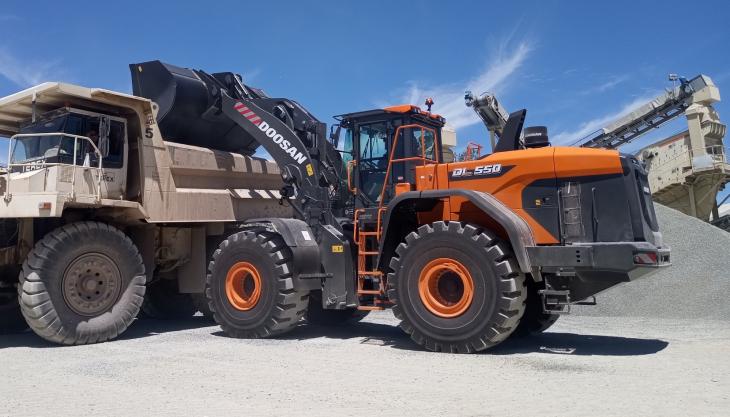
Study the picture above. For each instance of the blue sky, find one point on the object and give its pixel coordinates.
(573, 65)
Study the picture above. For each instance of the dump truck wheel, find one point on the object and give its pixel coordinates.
(326, 317)
(456, 288)
(534, 321)
(250, 286)
(163, 301)
(11, 319)
(82, 283)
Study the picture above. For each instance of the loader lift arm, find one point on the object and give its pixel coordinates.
(219, 111)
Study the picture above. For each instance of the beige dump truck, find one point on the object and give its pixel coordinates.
(111, 203)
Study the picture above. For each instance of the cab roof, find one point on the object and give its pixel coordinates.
(402, 109)
(17, 108)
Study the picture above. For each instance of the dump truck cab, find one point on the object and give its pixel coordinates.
(69, 155)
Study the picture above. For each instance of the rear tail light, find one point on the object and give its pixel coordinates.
(645, 258)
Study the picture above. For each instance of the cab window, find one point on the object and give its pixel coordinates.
(373, 158)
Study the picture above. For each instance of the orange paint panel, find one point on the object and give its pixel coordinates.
(403, 108)
(403, 187)
(426, 177)
(581, 162)
(519, 168)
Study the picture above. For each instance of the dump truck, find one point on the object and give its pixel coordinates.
(105, 211)
(466, 254)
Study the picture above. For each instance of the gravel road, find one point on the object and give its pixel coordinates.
(583, 366)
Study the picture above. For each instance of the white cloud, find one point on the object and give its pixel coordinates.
(449, 98)
(586, 128)
(25, 74)
(605, 86)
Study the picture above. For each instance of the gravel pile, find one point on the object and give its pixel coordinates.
(697, 285)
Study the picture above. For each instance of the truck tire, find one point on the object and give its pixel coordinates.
(326, 317)
(82, 283)
(250, 286)
(534, 321)
(11, 319)
(163, 301)
(456, 288)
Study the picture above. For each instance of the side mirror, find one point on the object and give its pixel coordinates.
(335, 135)
(104, 129)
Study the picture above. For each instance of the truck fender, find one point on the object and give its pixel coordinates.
(301, 241)
(517, 229)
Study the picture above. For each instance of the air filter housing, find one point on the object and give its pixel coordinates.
(536, 137)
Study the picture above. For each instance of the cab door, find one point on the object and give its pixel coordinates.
(109, 138)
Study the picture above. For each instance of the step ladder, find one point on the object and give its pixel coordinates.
(371, 285)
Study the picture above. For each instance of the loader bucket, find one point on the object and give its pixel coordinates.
(186, 108)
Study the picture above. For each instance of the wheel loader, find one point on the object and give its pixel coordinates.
(465, 254)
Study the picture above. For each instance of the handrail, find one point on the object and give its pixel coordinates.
(421, 158)
(14, 140)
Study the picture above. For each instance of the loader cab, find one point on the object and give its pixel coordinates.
(382, 148)
(89, 147)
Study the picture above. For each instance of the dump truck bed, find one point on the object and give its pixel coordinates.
(166, 181)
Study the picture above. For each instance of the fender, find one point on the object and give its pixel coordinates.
(298, 236)
(517, 229)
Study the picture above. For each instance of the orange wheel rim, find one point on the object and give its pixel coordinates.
(243, 286)
(446, 287)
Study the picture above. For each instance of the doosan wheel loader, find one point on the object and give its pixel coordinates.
(372, 216)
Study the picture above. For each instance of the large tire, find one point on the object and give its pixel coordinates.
(250, 286)
(164, 301)
(535, 320)
(455, 288)
(326, 317)
(82, 283)
(11, 319)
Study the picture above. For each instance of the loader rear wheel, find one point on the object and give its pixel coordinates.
(11, 319)
(82, 283)
(250, 287)
(534, 321)
(326, 317)
(455, 288)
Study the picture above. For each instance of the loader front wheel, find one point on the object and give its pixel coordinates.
(456, 288)
(82, 283)
(250, 286)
